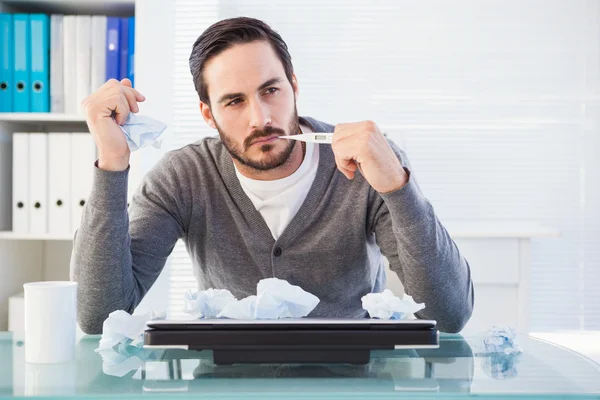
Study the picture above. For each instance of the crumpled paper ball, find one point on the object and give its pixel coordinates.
(501, 339)
(501, 352)
(275, 299)
(121, 344)
(386, 305)
(206, 303)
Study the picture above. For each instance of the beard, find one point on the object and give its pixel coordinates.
(268, 158)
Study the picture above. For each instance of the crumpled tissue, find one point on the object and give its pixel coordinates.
(501, 339)
(275, 298)
(207, 303)
(500, 352)
(141, 131)
(121, 344)
(386, 305)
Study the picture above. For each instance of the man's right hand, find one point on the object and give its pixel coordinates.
(106, 109)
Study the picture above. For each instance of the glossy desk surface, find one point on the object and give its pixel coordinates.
(458, 369)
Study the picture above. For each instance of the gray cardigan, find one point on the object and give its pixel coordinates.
(332, 248)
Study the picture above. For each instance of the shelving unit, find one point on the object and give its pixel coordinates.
(28, 257)
(8, 235)
(27, 118)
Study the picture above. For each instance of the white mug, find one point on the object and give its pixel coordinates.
(50, 321)
(50, 379)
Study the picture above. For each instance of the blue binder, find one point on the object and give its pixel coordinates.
(6, 63)
(40, 62)
(124, 44)
(113, 31)
(131, 51)
(22, 63)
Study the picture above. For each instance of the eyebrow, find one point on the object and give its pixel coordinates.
(231, 96)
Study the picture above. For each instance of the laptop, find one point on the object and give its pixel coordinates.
(302, 340)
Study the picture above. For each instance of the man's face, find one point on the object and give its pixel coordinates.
(251, 103)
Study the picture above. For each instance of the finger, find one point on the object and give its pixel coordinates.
(122, 110)
(345, 130)
(343, 158)
(345, 168)
(131, 99)
(340, 131)
(127, 83)
(138, 96)
(349, 165)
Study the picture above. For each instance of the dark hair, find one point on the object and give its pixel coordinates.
(226, 34)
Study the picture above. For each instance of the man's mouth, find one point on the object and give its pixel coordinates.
(267, 139)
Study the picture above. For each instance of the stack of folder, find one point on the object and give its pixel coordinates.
(52, 178)
(50, 63)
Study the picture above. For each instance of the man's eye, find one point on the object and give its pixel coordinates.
(272, 90)
(233, 102)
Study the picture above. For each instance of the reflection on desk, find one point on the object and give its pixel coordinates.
(458, 367)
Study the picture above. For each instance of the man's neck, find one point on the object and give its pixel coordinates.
(283, 171)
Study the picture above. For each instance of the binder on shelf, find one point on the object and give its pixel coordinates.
(113, 52)
(6, 62)
(98, 73)
(57, 85)
(40, 63)
(20, 182)
(59, 183)
(5, 181)
(70, 64)
(84, 51)
(131, 51)
(21, 63)
(124, 48)
(83, 158)
(38, 183)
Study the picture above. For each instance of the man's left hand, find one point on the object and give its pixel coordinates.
(362, 145)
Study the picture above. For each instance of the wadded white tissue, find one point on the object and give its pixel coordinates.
(501, 352)
(141, 131)
(207, 303)
(501, 339)
(386, 305)
(240, 309)
(275, 298)
(121, 344)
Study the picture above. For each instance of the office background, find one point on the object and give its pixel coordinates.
(496, 104)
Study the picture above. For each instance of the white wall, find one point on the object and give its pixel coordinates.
(154, 79)
(497, 101)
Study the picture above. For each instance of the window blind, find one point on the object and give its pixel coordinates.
(496, 104)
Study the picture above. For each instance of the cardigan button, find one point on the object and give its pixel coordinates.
(277, 251)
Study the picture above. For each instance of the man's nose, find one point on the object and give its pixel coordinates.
(260, 115)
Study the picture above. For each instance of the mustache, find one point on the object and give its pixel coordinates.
(261, 133)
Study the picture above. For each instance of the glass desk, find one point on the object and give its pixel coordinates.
(458, 369)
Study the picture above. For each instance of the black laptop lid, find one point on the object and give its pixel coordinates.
(292, 324)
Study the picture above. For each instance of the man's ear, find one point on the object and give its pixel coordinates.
(207, 115)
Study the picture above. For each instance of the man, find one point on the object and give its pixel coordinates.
(250, 205)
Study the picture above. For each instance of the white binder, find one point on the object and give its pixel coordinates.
(70, 64)
(83, 42)
(59, 183)
(57, 84)
(5, 181)
(98, 73)
(20, 183)
(83, 157)
(38, 183)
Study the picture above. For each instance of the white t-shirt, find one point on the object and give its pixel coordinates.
(278, 201)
